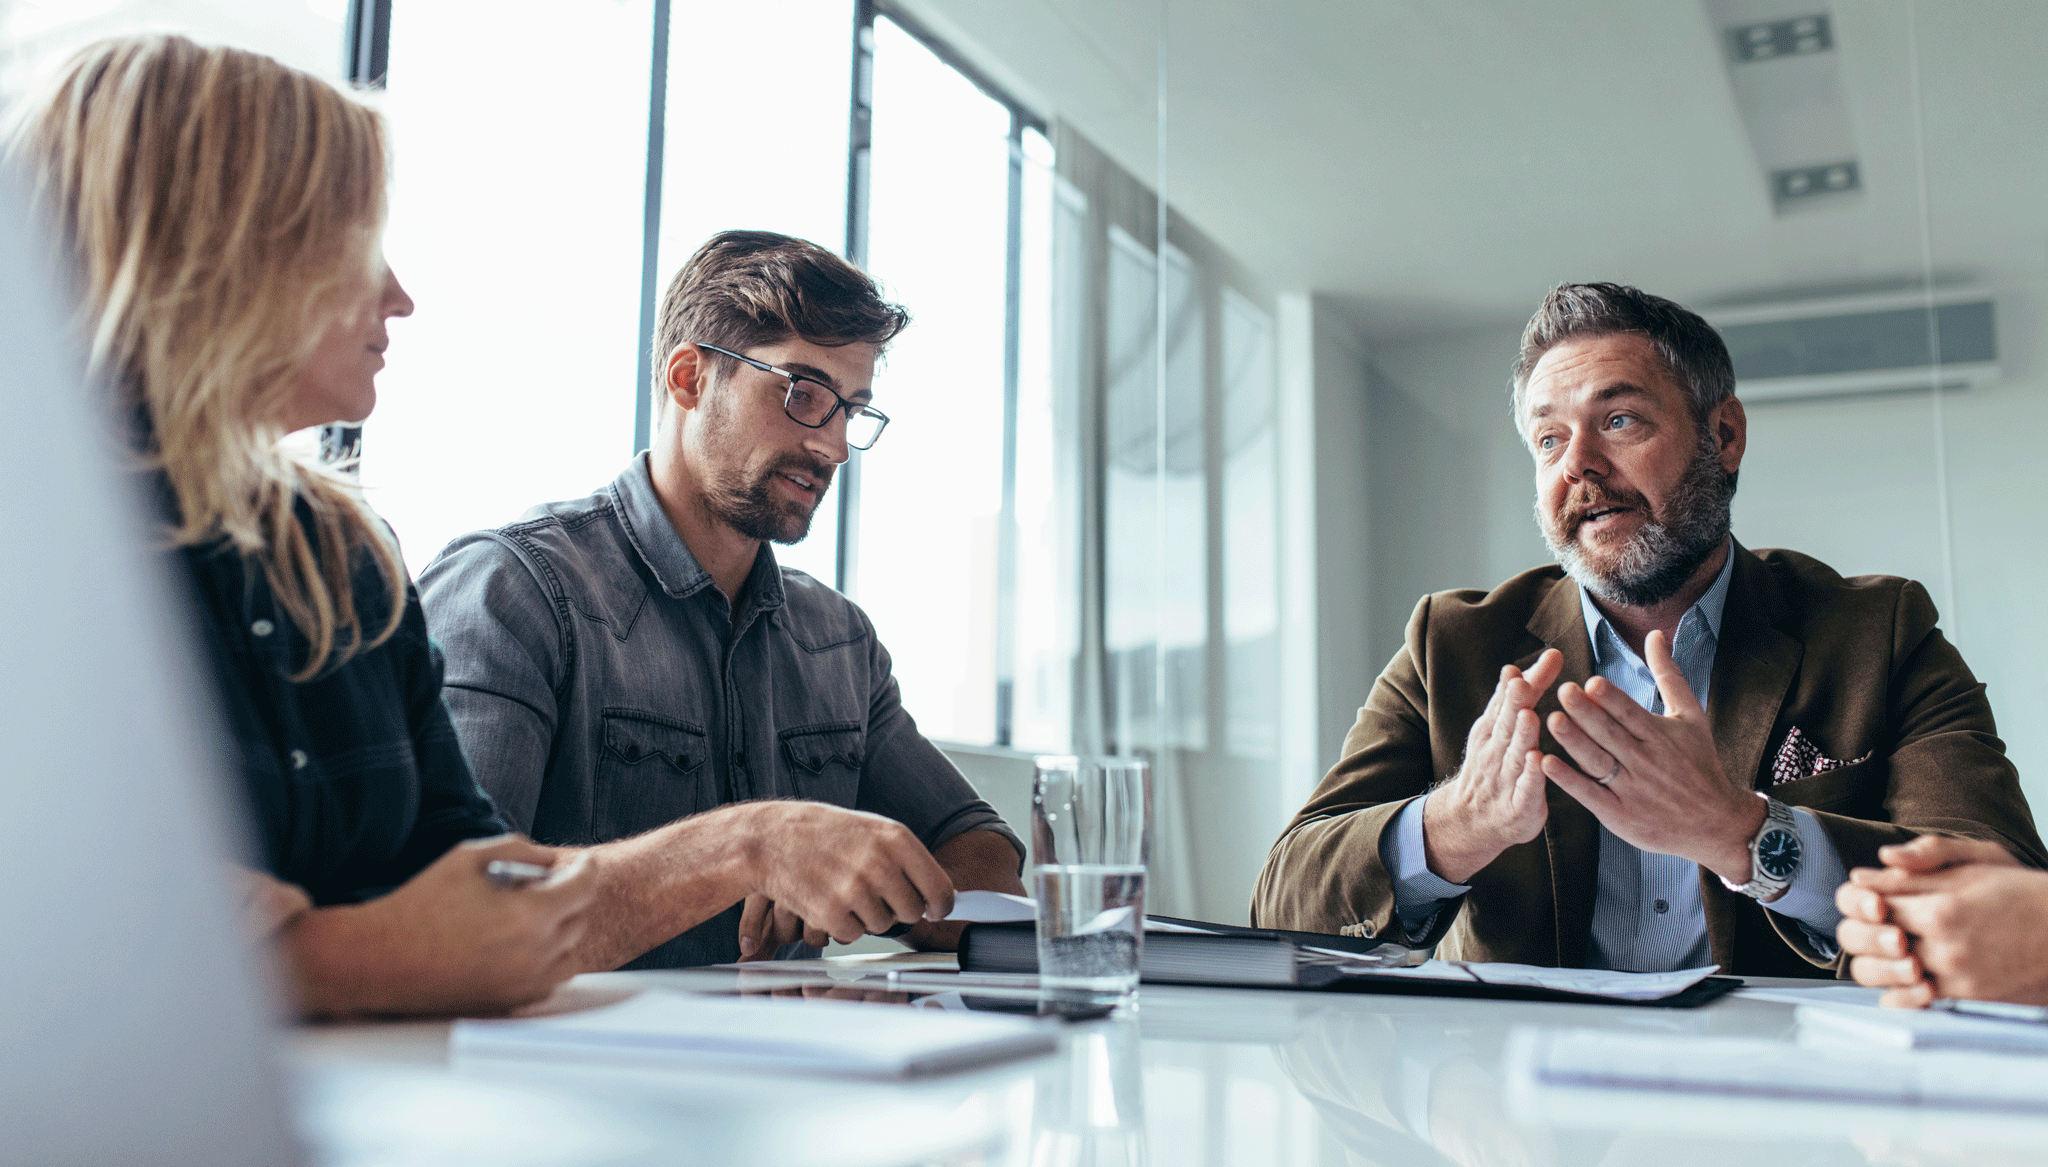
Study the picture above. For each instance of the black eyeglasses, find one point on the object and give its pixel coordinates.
(811, 403)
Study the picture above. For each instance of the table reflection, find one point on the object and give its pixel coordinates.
(1393, 1089)
(1089, 1104)
(1417, 1084)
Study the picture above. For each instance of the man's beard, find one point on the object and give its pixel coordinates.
(753, 510)
(1668, 548)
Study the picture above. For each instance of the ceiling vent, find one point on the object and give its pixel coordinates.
(1784, 65)
(1895, 343)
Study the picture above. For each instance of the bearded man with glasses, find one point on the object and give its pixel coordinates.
(636, 664)
(1665, 750)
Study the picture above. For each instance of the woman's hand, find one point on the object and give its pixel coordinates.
(449, 941)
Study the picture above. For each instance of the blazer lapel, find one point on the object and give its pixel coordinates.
(1753, 669)
(1572, 834)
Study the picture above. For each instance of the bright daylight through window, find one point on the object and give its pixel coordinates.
(512, 384)
(931, 491)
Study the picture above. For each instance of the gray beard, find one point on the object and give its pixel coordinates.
(1667, 551)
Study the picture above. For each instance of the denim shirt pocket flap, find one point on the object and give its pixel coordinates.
(633, 737)
(811, 747)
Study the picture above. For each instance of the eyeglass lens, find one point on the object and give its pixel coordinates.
(811, 404)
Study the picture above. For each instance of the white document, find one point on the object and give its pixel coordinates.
(796, 1036)
(1826, 994)
(992, 907)
(1620, 986)
(1581, 1059)
(995, 907)
(1922, 1029)
(1106, 920)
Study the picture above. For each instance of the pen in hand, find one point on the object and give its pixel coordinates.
(508, 873)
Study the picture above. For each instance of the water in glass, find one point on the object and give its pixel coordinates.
(1090, 929)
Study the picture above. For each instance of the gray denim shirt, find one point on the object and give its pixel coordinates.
(601, 688)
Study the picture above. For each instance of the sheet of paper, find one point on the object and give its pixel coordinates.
(1386, 956)
(1105, 920)
(1853, 995)
(992, 907)
(1622, 986)
(995, 907)
(1428, 970)
(1626, 986)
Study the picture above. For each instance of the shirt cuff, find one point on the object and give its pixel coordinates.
(1811, 898)
(1419, 893)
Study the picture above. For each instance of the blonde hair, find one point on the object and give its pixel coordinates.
(216, 203)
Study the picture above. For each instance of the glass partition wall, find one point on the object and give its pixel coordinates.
(1849, 190)
(1307, 288)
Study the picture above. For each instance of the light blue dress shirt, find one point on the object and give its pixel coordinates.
(1647, 914)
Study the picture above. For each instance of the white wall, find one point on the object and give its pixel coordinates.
(1451, 486)
(1851, 481)
(1348, 551)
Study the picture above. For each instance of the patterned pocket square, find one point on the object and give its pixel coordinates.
(1800, 758)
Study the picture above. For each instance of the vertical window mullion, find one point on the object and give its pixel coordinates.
(365, 59)
(1006, 530)
(650, 227)
(859, 147)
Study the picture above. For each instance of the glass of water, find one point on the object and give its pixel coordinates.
(1090, 820)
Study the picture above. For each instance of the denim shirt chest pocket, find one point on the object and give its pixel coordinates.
(825, 760)
(651, 771)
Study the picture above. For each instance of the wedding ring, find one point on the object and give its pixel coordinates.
(1611, 773)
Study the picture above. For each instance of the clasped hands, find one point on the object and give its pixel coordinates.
(1654, 780)
(1947, 917)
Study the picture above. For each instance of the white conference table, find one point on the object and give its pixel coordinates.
(1190, 1077)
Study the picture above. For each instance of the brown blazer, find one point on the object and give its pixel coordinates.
(1857, 665)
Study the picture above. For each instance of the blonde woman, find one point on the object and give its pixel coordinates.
(223, 212)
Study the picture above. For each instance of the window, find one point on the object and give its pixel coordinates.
(520, 377)
(513, 383)
(1038, 649)
(756, 138)
(929, 495)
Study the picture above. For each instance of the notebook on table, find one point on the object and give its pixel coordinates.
(836, 1038)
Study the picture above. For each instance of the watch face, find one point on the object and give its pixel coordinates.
(1778, 853)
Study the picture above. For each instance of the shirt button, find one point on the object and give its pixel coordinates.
(1661, 906)
(263, 628)
(299, 763)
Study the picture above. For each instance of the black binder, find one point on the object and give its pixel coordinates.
(1261, 958)
(1233, 956)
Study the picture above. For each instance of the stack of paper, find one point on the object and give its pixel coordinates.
(800, 1036)
(1906, 1029)
(1605, 1060)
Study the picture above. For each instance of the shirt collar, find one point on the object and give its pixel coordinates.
(661, 548)
(1710, 606)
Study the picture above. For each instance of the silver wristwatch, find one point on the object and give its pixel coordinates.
(1774, 854)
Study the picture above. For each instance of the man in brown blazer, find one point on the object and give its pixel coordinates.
(1665, 750)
